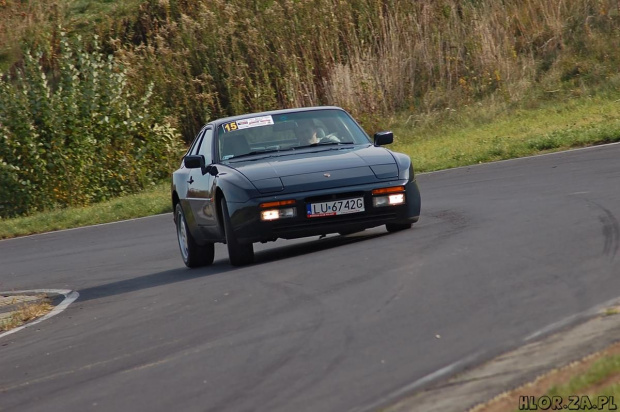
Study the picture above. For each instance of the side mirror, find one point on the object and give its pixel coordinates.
(194, 161)
(211, 169)
(383, 138)
(198, 162)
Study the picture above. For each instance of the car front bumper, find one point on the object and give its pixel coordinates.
(249, 228)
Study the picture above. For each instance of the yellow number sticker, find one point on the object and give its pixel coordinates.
(230, 127)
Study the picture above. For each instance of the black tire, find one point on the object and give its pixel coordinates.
(397, 227)
(193, 254)
(239, 254)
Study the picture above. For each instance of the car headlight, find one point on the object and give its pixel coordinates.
(274, 214)
(390, 200)
(392, 196)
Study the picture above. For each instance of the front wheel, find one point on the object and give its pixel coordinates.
(239, 254)
(193, 254)
(397, 227)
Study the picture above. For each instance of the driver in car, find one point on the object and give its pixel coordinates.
(309, 134)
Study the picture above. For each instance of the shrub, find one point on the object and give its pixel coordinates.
(77, 135)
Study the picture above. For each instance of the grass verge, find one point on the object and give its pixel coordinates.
(582, 385)
(150, 202)
(475, 135)
(472, 135)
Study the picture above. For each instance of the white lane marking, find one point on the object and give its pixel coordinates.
(553, 327)
(440, 373)
(70, 297)
(556, 326)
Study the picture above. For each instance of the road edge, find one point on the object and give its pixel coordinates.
(482, 383)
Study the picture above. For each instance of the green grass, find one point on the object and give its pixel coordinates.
(434, 141)
(150, 202)
(454, 139)
(599, 371)
(601, 379)
(81, 14)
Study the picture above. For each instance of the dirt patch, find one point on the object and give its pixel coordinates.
(16, 310)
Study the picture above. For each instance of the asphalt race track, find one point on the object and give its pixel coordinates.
(501, 252)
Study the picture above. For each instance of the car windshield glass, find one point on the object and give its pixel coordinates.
(259, 134)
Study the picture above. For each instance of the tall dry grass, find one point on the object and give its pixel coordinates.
(24, 21)
(209, 58)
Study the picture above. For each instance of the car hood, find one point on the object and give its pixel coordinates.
(318, 168)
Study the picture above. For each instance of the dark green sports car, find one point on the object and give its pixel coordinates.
(287, 174)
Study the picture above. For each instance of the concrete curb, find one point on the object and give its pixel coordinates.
(514, 369)
(11, 301)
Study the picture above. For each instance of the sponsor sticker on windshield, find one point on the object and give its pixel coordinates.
(247, 123)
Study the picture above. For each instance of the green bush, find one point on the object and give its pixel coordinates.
(78, 135)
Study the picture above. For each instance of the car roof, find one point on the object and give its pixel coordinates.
(218, 122)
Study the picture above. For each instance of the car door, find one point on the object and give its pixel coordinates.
(200, 193)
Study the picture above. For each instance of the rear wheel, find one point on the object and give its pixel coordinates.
(239, 254)
(397, 227)
(193, 254)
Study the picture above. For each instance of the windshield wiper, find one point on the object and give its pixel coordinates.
(259, 152)
(255, 152)
(324, 144)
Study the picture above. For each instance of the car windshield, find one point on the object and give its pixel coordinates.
(258, 134)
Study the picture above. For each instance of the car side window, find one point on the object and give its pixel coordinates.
(196, 143)
(204, 147)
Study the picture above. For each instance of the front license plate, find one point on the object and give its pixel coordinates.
(335, 207)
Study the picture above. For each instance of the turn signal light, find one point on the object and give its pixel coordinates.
(277, 203)
(385, 190)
